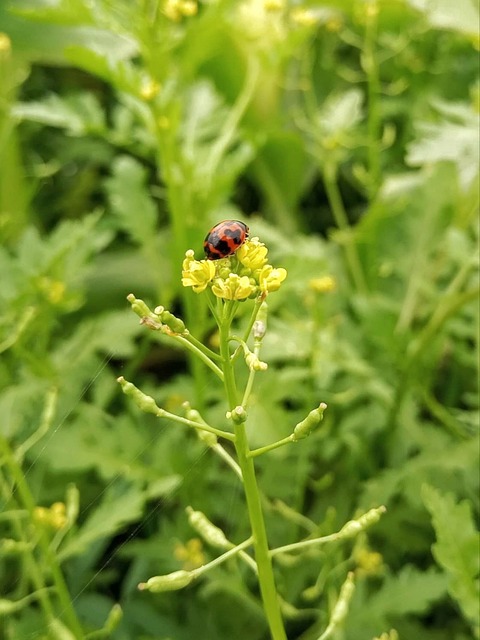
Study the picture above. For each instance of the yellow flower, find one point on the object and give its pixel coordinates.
(235, 287)
(303, 17)
(191, 554)
(252, 254)
(197, 273)
(5, 43)
(323, 284)
(270, 279)
(368, 562)
(54, 290)
(54, 517)
(175, 10)
(149, 89)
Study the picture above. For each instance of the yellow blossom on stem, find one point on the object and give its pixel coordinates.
(324, 284)
(197, 273)
(270, 279)
(234, 287)
(252, 254)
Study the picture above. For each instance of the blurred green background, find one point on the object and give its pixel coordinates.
(345, 134)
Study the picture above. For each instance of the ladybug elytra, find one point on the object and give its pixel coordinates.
(224, 239)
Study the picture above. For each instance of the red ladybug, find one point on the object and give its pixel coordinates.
(224, 239)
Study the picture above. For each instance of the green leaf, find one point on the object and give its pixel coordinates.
(461, 15)
(109, 517)
(340, 113)
(120, 73)
(454, 138)
(456, 549)
(130, 200)
(79, 114)
(48, 42)
(410, 591)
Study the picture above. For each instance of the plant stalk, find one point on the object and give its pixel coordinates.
(257, 523)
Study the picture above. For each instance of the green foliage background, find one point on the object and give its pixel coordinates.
(346, 135)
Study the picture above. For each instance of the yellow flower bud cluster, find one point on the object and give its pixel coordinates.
(175, 10)
(190, 554)
(54, 517)
(243, 275)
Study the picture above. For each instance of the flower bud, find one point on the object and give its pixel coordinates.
(304, 428)
(237, 415)
(254, 363)
(260, 324)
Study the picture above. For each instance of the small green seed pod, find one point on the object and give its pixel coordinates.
(175, 324)
(304, 428)
(353, 527)
(169, 582)
(143, 402)
(209, 532)
(138, 306)
(340, 610)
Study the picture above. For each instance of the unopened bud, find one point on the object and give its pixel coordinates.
(237, 415)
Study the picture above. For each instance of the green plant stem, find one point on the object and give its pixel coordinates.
(270, 447)
(230, 127)
(222, 453)
(190, 423)
(49, 555)
(341, 220)
(208, 352)
(33, 569)
(193, 348)
(370, 67)
(262, 554)
(220, 559)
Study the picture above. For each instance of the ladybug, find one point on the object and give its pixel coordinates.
(224, 239)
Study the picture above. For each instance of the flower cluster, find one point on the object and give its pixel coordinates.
(243, 275)
(175, 10)
(54, 517)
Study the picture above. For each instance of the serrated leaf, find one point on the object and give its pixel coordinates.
(341, 112)
(454, 139)
(79, 114)
(130, 200)
(410, 591)
(456, 549)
